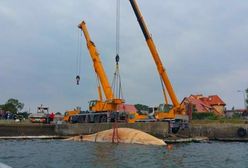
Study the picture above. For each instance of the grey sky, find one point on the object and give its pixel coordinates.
(203, 45)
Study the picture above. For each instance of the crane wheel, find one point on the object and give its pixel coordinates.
(96, 119)
(241, 132)
(69, 120)
(174, 130)
(103, 119)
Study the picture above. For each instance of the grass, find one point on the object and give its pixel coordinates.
(221, 120)
(14, 123)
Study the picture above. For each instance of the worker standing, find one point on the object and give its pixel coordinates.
(51, 117)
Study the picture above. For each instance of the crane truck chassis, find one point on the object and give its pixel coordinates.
(106, 117)
(123, 117)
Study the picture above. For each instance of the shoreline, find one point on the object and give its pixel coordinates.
(168, 141)
(226, 132)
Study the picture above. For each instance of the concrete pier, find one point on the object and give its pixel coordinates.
(213, 131)
(26, 129)
(216, 131)
(158, 129)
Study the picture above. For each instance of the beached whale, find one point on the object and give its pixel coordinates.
(125, 135)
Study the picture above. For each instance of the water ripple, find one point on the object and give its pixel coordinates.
(64, 154)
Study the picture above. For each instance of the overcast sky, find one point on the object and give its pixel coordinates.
(203, 45)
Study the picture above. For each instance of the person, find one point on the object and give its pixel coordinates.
(51, 116)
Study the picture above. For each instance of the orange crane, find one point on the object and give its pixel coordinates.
(165, 111)
(111, 103)
(102, 110)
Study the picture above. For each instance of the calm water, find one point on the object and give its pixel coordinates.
(62, 154)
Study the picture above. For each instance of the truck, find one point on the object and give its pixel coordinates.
(41, 116)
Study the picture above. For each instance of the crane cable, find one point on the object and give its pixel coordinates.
(117, 27)
(116, 84)
(78, 57)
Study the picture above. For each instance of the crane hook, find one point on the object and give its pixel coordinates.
(117, 58)
(77, 79)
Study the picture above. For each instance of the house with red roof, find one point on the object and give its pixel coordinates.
(204, 104)
(126, 108)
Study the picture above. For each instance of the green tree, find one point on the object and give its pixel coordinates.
(204, 116)
(141, 107)
(12, 105)
(58, 113)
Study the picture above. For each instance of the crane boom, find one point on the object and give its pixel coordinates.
(154, 53)
(97, 63)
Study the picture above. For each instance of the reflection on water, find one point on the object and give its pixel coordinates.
(64, 154)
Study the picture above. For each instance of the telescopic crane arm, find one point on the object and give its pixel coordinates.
(154, 53)
(97, 64)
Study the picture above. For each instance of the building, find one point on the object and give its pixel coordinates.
(204, 104)
(126, 108)
(241, 113)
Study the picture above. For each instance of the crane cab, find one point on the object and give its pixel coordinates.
(99, 106)
(103, 106)
(165, 111)
(69, 113)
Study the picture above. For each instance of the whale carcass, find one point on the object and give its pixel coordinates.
(121, 135)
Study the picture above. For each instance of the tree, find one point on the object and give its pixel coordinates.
(58, 113)
(12, 105)
(141, 108)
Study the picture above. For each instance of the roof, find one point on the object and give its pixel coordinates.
(126, 108)
(199, 105)
(215, 100)
(210, 100)
(206, 104)
(237, 111)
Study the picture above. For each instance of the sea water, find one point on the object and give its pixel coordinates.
(64, 154)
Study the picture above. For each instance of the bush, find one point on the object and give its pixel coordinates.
(204, 116)
(236, 116)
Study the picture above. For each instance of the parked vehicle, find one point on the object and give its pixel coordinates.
(41, 116)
